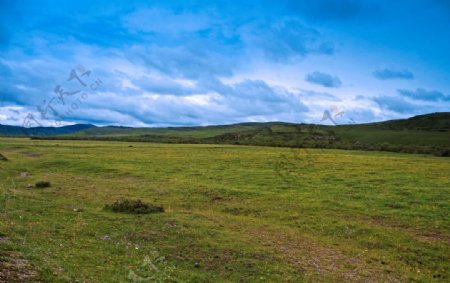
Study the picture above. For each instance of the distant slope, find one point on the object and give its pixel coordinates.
(435, 122)
(17, 131)
(430, 129)
(428, 122)
(420, 134)
(188, 132)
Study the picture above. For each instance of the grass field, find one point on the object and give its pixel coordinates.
(420, 134)
(232, 214)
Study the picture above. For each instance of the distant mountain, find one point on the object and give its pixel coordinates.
(16, 131)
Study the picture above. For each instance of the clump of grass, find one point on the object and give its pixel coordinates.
(43, 184)
(3, 158)
(133, 207)
(443, 153)
(394, 205)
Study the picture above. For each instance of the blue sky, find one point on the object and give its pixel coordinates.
(179, 63)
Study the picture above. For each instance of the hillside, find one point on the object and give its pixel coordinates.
(428, 122)
(16, 131)
(184, 132)
(420, 134)
(435, 122)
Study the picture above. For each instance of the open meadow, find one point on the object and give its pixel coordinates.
(231, 214)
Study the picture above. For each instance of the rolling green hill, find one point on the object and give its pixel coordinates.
(428, 133)
(17, 131)
(187, 132)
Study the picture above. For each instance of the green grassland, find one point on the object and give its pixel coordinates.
(232, 214)
(428, 134)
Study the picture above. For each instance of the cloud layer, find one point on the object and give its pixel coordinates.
(422, 94)
(389, 74)
(198, 63)
(323, 79)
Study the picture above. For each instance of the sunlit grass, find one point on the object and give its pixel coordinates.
(231, 212)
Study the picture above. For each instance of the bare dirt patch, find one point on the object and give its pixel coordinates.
(13, 267)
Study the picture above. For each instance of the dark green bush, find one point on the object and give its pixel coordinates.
(133, 207)
(3, 158)
(43, 184)
(443, 153)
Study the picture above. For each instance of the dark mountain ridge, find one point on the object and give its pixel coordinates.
(17, 131)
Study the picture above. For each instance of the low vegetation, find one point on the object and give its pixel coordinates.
(43, 184)
(425, 134)
(3, 158)
(232, 213)
(133, 207)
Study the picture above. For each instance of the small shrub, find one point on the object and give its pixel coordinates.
(443, 153)
(133, 207)
(43, 184)
(394, 205)
(3, 158)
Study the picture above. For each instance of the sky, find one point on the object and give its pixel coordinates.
(183, 63)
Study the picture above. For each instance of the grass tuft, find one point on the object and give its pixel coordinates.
(443, 153)
(3, 158)
(133, 207)
(43, 184)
